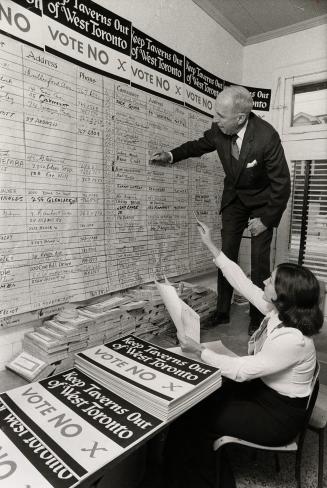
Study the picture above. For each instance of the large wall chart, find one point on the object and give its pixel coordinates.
(82, 212)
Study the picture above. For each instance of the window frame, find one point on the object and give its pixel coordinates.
(299, 143)
(299, 80)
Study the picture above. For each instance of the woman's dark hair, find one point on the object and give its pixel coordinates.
(298, 296)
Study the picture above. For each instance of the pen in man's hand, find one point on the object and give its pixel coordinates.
(199, 223)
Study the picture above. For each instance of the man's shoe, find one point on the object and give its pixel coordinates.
(218, 318)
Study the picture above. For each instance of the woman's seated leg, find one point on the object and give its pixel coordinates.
(248, 410)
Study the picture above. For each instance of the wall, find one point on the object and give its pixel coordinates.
(277, 56)
(183, 26)
(11, 343)
(284, 51)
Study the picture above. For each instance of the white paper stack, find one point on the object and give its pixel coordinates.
(133, 305)
(68, 312)
(127, 323)
(45, 345)
(99, 317)
(30, 367)
(163, 383)
(71, 332)
(74, 331)
(139, 316)
(108, 304)
(80, 322)
(102, 323)
(146, 292)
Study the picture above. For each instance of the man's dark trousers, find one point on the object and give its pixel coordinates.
(234, 220)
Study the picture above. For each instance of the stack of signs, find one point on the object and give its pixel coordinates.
(102, 321)
(108, 319)
(45, 346)
(131, 305)
(61, 430)
(127, 323)
(145, 292)
(67, 313)
(164, 384)
(203, 301)
(109, 303)
(54, 340)
(30, 367)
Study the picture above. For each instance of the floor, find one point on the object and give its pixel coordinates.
(260, 471)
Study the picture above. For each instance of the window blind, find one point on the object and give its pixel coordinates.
(308, 223)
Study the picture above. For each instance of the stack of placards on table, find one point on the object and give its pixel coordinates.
(141, 313)
(56, 339)
(163, 383)
(59, 431)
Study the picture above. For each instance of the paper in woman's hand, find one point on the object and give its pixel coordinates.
(173, 304)
(175, 307)
(191, 322)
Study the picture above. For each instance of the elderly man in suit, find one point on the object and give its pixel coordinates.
(256, 185)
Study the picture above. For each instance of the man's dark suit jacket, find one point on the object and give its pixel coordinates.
(263, 180)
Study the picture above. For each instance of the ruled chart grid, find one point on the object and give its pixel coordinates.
(82, 212)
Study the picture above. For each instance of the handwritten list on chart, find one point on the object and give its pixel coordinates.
(82, 212)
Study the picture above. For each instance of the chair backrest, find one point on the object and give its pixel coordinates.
(313, 395)
(322, 295)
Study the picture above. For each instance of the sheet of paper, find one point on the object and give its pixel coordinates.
(216, 346)
(178, 309)
(173, 304)
(191, 322)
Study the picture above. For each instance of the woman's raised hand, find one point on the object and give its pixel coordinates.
(189, 345)
(205, 234)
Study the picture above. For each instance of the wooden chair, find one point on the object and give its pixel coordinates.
(318, 423)
(296, 445)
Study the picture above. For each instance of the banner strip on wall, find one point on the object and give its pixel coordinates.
(156, 67)
(22, 20)
(97, 39)
(201, 87)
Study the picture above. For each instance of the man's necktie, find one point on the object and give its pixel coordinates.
(235, 155)
(234, 147)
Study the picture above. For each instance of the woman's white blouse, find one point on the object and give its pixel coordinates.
(287, 359)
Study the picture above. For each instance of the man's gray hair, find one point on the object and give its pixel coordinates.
(242, 99)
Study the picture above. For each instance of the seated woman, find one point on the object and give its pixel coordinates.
(264, 395)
